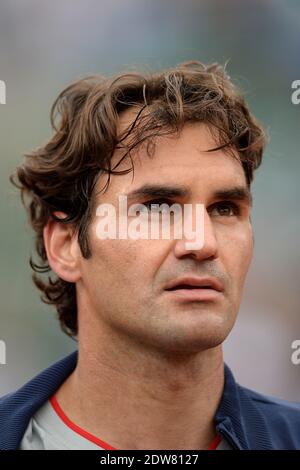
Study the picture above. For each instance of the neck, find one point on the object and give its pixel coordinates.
(134, 397)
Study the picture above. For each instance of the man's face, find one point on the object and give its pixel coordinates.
(123, 283)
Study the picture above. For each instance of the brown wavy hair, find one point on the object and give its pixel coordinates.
(62, 174)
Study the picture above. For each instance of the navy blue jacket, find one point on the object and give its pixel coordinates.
(247, 419)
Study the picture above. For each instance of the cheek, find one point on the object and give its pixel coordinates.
(238, 251)
(121, 266)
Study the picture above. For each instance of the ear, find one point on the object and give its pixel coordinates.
(62, 248)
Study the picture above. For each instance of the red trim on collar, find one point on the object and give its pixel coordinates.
(77, 429)
(214, 443)
(90, 437)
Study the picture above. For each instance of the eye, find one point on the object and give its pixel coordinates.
(155, 203)
(225, 209)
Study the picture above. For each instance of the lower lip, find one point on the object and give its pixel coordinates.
(195, 294)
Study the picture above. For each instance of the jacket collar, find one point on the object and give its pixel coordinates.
(17, 408)
(237, 418)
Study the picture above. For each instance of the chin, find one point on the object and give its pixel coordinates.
(192, 340)
(209, 333)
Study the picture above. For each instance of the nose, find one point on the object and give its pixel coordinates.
(209, 248)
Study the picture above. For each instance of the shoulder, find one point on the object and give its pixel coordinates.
(271, 404)
(18, 407)
(43, 383)
(281, 417)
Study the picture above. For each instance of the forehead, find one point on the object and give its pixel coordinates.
(181, 159)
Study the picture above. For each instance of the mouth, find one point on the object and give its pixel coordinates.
(187, 293)
(195, 289)
(189, 286)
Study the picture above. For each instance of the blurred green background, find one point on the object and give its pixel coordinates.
(45, 45)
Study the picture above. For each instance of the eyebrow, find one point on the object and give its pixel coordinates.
(239, 193)
(162, 191)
